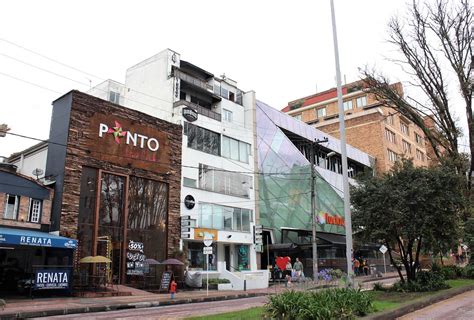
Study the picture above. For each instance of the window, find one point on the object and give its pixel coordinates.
(347, 105)
(219, 217)
(321, 113)
(420, 155)
(297, 117)
(406, 147)
(226, 182)
(392, 156)
(12, 205)
(35, 211)
(418, 139)
(217, 88)
(196, 258)
(390, 136)
(202, 139)
(228, 115)
(361, 102)
(235, 149)
(231, 96)
(114, 97)
(239, 97)
(389, 119)
(224, 93)
(404, 128)
(188, 182)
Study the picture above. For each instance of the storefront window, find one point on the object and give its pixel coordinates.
(197, 260)
(243, 262)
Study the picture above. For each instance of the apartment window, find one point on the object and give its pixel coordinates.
(231, 96)
(239, 97)
(418, 139)
(404, 128)
(321, 113)
(114, 97)
(35, 211)
(217, 88)
(389, 119)
(420, 155)
(347, 105)
(224, 93)
(406, 147)
(224, 218)
(222, 181)
(390, 136)
(235, 149)
(297, 117)
(361, 102)
(12, 205)
(228, 115)
(392, 156)
(188, 182)
(202, 139)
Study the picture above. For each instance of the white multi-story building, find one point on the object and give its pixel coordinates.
(218, 198)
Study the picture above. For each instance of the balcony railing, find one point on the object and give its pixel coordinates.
(200, 110)
(190, 79)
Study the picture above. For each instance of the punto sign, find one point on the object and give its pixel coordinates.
(128, 143)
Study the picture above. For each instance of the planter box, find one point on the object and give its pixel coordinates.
(224, 286)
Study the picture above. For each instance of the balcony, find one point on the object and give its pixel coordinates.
(192, 80)
(200, 110)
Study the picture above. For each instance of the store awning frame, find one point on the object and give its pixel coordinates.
(23, 237)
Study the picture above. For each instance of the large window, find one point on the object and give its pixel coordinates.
(196, 258)
(219, 217)
(12, 205)
(406, 147)
(420, 155)
(228, 115)
(321, 113)
(347, 105)
(235, 149)
(361, 101)
(418, 139)
(226, 182)
(392, 156)
(34, 214)
(390, 136)
(202, 139)
(404, 128)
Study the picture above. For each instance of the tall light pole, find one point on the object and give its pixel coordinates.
(314, 242)
(342, 129)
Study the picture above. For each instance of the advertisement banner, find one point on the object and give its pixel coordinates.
(57, 278)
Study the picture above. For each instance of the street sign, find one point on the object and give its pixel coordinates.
(207, 240)
(185, 229)
(185, 235)
(383, 249)
(185, 223)
(207, 250)
(258, 238)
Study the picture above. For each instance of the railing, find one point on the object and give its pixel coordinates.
(201, 110)
(190, 79)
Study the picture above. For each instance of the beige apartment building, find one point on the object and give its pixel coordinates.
(370, 127)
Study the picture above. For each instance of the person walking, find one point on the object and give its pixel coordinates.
(173, 286)
(298, 266)
(288, 270)
(356, 267)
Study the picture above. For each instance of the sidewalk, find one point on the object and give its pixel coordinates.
(44, 307)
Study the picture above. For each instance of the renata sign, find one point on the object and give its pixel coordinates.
(326, 218)
(128, 137)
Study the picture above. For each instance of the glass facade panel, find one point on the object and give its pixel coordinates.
(226, 182)
(218, 217)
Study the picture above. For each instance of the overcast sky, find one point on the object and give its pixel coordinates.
(281, 49)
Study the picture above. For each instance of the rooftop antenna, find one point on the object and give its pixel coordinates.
(37, 172)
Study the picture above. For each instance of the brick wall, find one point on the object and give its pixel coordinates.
(79, 154)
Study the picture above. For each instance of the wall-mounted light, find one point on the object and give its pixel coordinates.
(229, 236)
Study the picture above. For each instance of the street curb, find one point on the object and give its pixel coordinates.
(425, 302)
(124, 306)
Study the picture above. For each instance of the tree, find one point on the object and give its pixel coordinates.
(435, 42)
(409, 209)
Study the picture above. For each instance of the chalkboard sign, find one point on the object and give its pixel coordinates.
(166, 280)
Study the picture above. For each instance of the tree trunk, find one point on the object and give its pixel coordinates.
(402, 279)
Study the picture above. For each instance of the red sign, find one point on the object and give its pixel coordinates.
(326, 218)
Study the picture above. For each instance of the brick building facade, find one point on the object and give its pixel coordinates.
(118, 176)
(370, 126)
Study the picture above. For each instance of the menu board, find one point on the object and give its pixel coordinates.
(166, 280)
(135, 258)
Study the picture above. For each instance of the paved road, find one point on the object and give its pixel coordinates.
(173, 312)
(459, 307)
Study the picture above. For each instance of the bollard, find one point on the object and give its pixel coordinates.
(245, 285)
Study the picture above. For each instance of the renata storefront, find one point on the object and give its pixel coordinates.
(118, 174)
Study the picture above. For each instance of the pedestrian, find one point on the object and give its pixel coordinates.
(365, 267)
(298, 266)
(173, 286)
(356, 267)
(288, 269)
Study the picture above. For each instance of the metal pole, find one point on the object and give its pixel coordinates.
(313, 214)
(384, 265)
(207, 275)
(342, 129)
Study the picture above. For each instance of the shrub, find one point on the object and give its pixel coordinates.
(378, 286)
(425, 281)
(449, 272)
(218, 281)
(326, 304)
(336, 273)
(468, 271)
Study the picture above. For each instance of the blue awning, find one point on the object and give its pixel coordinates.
(12, 236)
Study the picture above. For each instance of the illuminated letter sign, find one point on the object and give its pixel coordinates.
(130, 138)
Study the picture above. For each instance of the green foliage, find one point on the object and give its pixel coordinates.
(425, 281)
(468, 271)
(450, 272)
(336, 273)
(410, 209)
(326, 304)
(218, 281)
(378, 286)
